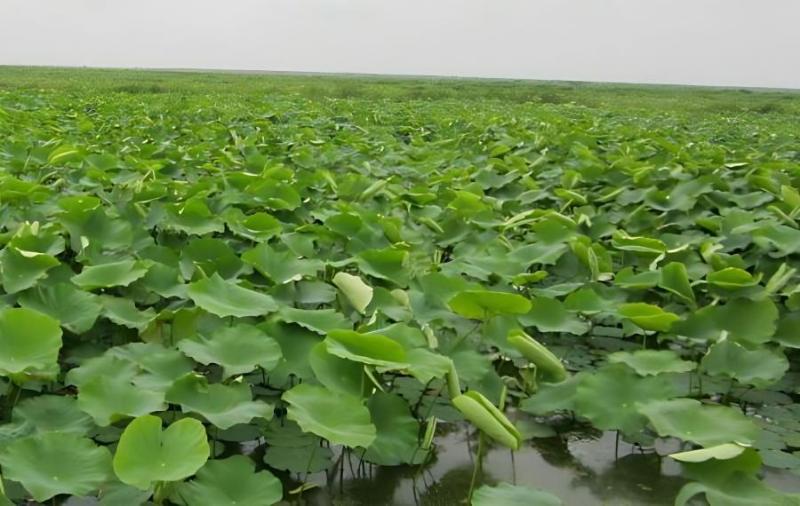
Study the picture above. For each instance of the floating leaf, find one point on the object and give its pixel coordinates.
(29, 342)
(652, 362)
(482, 304)
(339, 418)
(121, 273)
(225, 298)
(705, 425)
(238, 349)
(506, 494)
(230, 482)
(222, 405)
(56, 463)
(759, 367)
(146, 454)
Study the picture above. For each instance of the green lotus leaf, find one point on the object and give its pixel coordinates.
(610, 398)
(652, 362)
(258, 226)
(484, 415)
(116, 493)
(56, 463)
(738, 490)
(389, 264)
(627, 279)
(21, 269)
(759, 367)
(337, 374)
(372, 349)
(482, 304)
(146, 454)
(426, 365)
(788, 331)
(75, 309)
(748, 321)
(29, 342)
(705, 425)
(552, 397)
(506, 494)
(124, 312)
(648, 245)
(291, 449)
(280, 266)
(50, 413)
(238, 349)
(732, 278)
(230, 482)
(397, 440)
(121, 273)
(225, 298)
(357, 293)
(110, 399)
(192, 217)
(158, 366)
(550, 315)
(648, 316)
(675, 279)
(339, 418)
(222, 405)
(720, 452)
(320, 321)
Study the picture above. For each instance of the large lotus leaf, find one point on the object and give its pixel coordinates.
(121, 273)
(280, 266)
(124, 312)
(51, 413)
(193, 217)
(759, 367)
(397, 440)
(56, 463)
(705, 425)
(336, 373)
(610, 397)
(116, 493)
(339, 418)
(748, 321)
(648, 316)
(373, 349)
(238, 349)
(738, 490)
(552, 397)
(357, 293)
(389, 264)
(231, 482)
(159, 366)
(210, 256)
(291, 449)
(626, 278)
(225, 298)
(731, 278)
(675, 279)
(788, 331)
(29, 341)
(108, 399)
(320, 321)
(222, 405)
(426, 365)
(146, 454)
(258, 226)
(482, 304)
(21, 269)
(550, 315)
(74, 308)
(652, 362)
(506, 494)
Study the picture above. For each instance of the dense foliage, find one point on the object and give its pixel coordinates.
(185, 268)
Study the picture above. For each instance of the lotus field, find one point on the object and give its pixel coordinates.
(222, 289)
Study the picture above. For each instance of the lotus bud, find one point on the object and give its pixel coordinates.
(545, 361)
(485, 416)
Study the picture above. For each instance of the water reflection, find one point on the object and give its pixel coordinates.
(580, 468)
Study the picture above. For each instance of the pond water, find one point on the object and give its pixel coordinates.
(581, 468)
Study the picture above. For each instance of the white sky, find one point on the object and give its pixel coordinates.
(717, 42)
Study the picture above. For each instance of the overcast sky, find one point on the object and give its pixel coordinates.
(717, 42)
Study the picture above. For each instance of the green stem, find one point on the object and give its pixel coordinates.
(477, 467)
